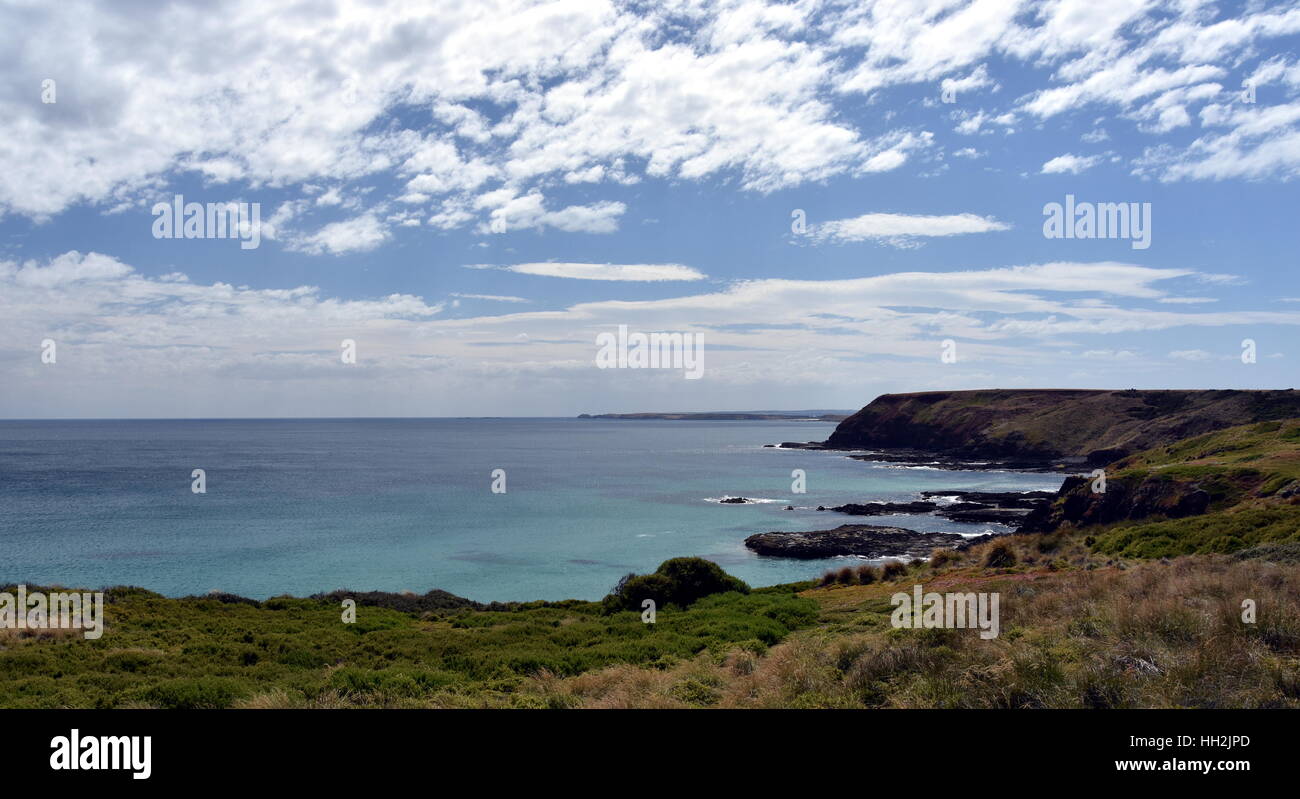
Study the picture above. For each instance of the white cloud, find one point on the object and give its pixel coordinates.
(977, 79)
(135, 345)
(1069, 164)
(490, 297)
(624, 272)
(71, 267)
(1109, 355)
(359, 234)
(903, 229)
(1255, 143)
(593, 94)
(1191, 355)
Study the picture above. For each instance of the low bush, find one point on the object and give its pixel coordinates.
(679, 581)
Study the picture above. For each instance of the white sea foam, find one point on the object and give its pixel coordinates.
(748, 500)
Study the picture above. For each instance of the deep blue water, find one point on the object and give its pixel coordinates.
(301, 506)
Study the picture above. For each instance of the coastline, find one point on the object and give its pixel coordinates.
(1082, 585)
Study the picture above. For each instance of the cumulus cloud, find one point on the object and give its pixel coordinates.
(359, 234)
(1069, 164)
(760, 95)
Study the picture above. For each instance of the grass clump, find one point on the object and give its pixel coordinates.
(892, 569)
(999, 555)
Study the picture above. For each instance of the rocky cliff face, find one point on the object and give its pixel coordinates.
(1125, 499)
(1079, 426)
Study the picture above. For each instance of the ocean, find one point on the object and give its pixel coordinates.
(311, 505)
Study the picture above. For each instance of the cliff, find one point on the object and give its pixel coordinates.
(1249, 467)
(1052, 425)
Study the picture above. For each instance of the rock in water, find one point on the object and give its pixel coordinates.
(863, 540)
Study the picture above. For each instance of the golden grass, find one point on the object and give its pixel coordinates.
(1076, 631)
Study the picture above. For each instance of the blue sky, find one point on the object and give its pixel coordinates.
(465, 189)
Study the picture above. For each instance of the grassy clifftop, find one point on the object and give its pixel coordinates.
(1217, 492)
(1048, 424)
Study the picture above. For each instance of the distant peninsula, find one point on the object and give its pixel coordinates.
(1048, 426)
(731, 416)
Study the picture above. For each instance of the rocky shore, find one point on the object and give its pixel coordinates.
(1167, 455)
(862, 540)
(970, 506)
(939, 460)
(876, 541)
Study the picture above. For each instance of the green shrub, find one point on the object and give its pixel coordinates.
(679, 581)
(194, 694)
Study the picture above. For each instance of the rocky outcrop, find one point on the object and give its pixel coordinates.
(1000, 499)
(1008, 507)
(979, 515)
(885, 508)
(1125, 499)
(1049, 426)
(863, 540)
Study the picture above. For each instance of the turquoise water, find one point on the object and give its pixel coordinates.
(302, 506)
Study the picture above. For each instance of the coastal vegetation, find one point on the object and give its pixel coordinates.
(1078, 631)
(224, 651)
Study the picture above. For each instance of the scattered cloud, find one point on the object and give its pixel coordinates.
(489, 297)
(903, 229)
(359, 234)
(1069, 164)
(593, 95)
(622, 272)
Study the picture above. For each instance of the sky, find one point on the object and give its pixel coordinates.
(835, 200)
